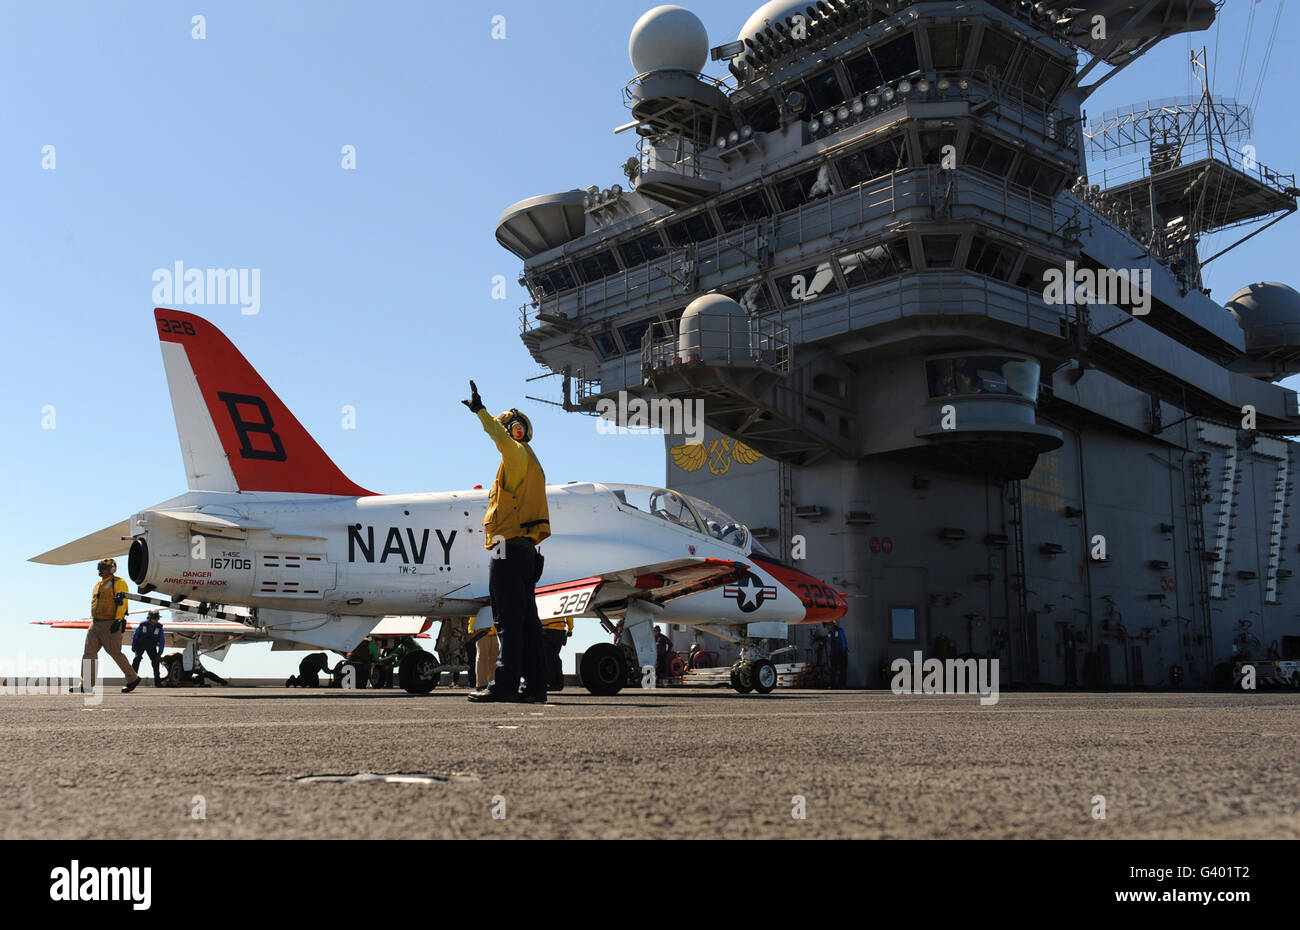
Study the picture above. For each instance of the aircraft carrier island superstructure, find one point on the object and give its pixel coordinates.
(979, 388)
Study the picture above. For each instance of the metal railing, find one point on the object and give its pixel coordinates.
(728, 340)
(691, 161)
(726, 85)
(799, 235)
(585, 390)
(1195, 150)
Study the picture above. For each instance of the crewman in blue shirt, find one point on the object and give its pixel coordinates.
(149, 638)
(839, 650)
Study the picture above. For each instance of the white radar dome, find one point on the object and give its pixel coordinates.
(714, 328)
(1269, 315)
(774, 11)
(668, 38)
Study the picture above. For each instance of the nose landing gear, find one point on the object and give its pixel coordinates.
(754, 675)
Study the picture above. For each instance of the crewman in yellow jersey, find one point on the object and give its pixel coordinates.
(555, 633)
(107, 625)
(517, 521)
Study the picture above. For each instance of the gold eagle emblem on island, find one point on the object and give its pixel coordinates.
(718, 454)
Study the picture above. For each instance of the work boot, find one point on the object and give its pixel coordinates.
(485, 696)
(131, 686)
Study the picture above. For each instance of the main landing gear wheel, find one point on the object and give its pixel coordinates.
(175, 668)
(418, 673)
(604, 669)
(742, 677)
(763, 675)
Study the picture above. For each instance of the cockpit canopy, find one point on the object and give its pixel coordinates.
(683, 510)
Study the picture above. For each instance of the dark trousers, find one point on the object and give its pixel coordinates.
(554, 640)
(839, 669)
(152, 652)
(511, 584)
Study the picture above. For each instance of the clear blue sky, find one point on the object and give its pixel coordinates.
(375, 283)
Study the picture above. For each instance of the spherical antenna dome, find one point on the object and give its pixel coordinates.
(1265, 302)
(668, 38)
(774, 11)
(714, 328)
(714, 305)
(1269, 314)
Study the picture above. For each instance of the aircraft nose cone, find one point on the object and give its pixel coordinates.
(836, 608)
(821, 602)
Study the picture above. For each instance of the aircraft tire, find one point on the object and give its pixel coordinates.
(418, 673)
(174, 667)
(763, 676)
(604, 669)
(741, 677)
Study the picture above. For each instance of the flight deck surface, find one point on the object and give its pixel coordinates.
(669, 763)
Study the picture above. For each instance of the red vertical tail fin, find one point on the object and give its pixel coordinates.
(235, 433)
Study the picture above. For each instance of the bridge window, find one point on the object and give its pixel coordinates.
(1031, 273)
(750, 208)
(823, 90)
(697, 228)
(1039, 177)
(763, 116)
(948, 45)
(644, 249)
(754, 297)
(875, 262)
(996, 52)
(889, 62)
(873, 162)
(633, 333)
(1041, 76)
(798, 190)
(864, 73)
(807, 284)
(983, 374)
(595, 267)
(987, 155)
(933, 143)
(991, 258)
(606, 348)
(939, 250)
(556, 280)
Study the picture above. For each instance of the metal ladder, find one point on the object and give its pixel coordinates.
(1196, 489)
(785, 506)
(1019, 578)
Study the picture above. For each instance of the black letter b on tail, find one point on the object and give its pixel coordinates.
(246, 428)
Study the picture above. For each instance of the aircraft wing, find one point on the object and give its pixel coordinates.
(195, 627)
(115, 540)
(110, 542)
(658, 583)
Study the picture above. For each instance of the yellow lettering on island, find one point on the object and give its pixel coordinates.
(1044, 489)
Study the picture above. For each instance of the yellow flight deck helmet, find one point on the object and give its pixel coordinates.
(512, 418)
